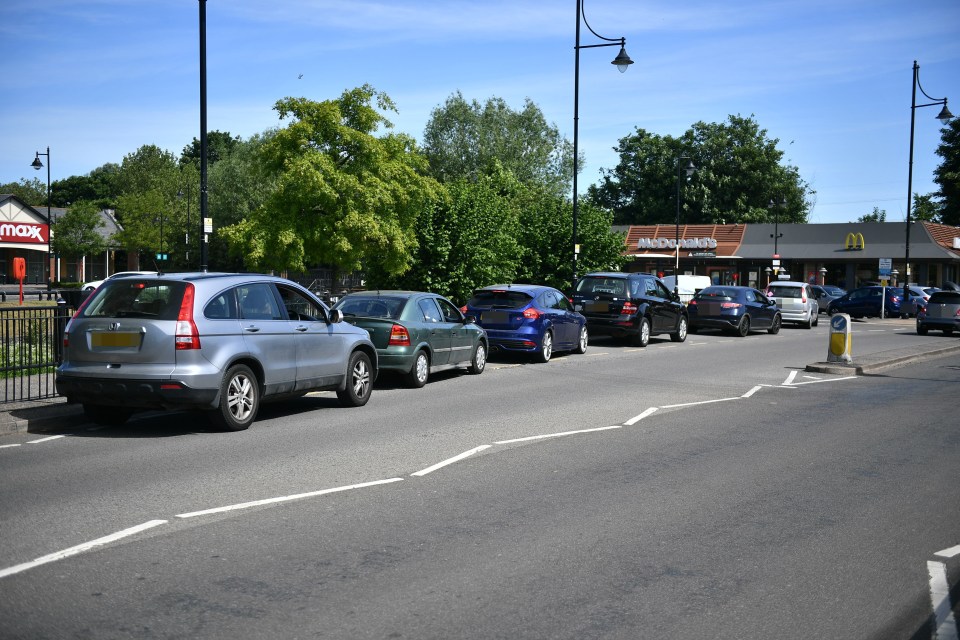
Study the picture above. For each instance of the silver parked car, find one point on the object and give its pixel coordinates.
(941, 313)
(215, 342)
(796, 301)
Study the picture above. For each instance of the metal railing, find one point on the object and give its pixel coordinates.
(31, 347)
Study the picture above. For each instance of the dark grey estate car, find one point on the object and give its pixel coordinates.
(216, 342)
(630, 305)
(942, 313)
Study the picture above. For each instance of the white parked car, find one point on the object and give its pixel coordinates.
(93, 284)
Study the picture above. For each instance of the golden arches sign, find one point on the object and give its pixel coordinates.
(854, 242)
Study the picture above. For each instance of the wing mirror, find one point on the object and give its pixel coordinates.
(335, 316)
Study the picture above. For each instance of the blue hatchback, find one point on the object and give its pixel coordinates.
(526, 318)
(868, 301)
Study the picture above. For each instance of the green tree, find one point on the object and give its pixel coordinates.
(220, 145)
(33, 191)
(142, 213)
(75, 232)
(947, 174)
(99, 186)
(466, 241)
(148, 182)
(463, 139)
(343, 196)
(877, 215)
(925, 208)
(739, 172)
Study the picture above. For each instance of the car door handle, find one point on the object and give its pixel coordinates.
(301, 328)
(252, 328)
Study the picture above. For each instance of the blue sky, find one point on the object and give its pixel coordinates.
(96, 79)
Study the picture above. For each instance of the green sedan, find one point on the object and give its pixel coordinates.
(417, 333)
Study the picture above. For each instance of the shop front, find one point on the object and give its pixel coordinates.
(24, 233)
(846, 255)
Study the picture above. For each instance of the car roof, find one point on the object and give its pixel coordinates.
(524, 288)
(787, 283)
(613, 274)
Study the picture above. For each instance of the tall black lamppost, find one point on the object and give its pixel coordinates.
(776, 235)
(944, 117)
(203, 134)
(38, 164)
(186, 235)
(622, 61)
(683, 171)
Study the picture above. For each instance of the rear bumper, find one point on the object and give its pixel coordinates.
(617, 327)
(939, 323)
(139, 394)
(714, 322)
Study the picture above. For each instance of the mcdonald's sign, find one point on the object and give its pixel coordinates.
(854, 242)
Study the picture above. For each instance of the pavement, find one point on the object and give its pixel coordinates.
(54, 414)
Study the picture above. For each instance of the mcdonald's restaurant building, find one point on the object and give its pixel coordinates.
(847, 255)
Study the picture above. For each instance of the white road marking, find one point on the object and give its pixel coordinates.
(945, 625)
(47, 439)
(551, 435)
(949, 553)
(691, 404)
(80, 548)
(297, 496)
(635, 419)
(598, 353)
(458, 458)
(790, 378)
(797, 384)
(752, 391)
(7, 446)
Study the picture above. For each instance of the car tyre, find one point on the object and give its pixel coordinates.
(239, 399)
(546, 348)
(359, 382)
(642, 338)
(681, 333)
(420, 371)
(744, 327)
(582, 341)
(106, 416)
(948, 331)
(479, 361)
(921, 329)
(775, 327)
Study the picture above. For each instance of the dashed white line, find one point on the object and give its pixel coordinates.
(752, 391)
(457, 458)
(298, 496)
(551, 435)
(7, 446)
(949, 553)
(692, 404)
(635, 419)
(47, 439)
(80, 548)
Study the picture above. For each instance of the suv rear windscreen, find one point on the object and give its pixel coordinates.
(134, 298)
(602, 285)
(786, 292)
(499, 298)
(945, 297)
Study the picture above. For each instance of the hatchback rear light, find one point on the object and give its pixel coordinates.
(803, 297)
(629, 309)
(730, 305)
(399, 336)
(187, 336)
(530, 313)
(692, 303)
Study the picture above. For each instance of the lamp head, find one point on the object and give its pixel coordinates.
(622, 61)
(36, 164)
(690, 169)
(944, 116)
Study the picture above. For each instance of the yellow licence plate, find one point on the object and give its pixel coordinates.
(115, 339)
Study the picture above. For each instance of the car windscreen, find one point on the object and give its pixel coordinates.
(499, 298)
(372, 307)
(596, 284)
(945, 297)
(135, 298)
(717, 292)
(786, 292)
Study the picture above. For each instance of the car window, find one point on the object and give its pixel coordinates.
(257, 302)
(563, 303)
(499, 298)
(945, 297)
(450, 312)
(430, 311)
(371, 307)
(222, 307)
(750, 296)
(300, 306)
(135, 298)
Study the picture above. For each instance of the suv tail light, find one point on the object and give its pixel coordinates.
(399, 336)
(187, 337)
(629, 309)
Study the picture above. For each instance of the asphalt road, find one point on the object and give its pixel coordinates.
(707, 489)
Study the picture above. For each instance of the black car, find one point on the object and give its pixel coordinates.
(630, 305)
(736, 309)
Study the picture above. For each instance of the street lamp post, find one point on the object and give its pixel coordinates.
(38, 164)
(944, 117)
(186, 234)
(776, 235)
(683, 171)
(622, 61)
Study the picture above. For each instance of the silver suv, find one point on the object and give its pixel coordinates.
(797, 302)
(215, 342)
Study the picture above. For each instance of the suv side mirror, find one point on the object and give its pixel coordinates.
(469, 319)
(335, 316)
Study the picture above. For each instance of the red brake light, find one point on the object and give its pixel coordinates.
(187, 336)
(629, 309)
(530, 313)
(692, 303)
(730, 305)
(399, 337)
